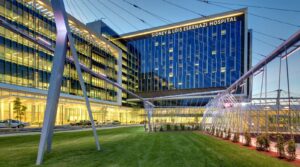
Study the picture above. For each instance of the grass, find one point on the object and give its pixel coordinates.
(132, 147)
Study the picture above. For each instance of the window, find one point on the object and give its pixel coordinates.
(223, 32)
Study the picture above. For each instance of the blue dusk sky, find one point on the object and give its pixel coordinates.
(119, 15)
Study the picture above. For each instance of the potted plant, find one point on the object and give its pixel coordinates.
(280, 146)
(291, 149)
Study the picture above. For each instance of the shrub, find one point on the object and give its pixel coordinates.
(168, 127)
(197, 127)
(188, 128)
(263, 142)
(212, 130)
(182, 127)
(221, 134)
(236, 137)
(291, 149)
(217, 132)
(155, 129)
(228, 136)
(175, 127)
(280, 146)
(161, 129)
(247, 138)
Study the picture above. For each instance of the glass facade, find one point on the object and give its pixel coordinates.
(201, 54)
(195, 55)
(129, 62)
(68, 111)
(25, 63)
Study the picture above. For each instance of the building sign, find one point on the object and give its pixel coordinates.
(195, 26)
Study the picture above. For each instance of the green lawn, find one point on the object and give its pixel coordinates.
(132, 147)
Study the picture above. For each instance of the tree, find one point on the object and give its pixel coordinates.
(19, 109)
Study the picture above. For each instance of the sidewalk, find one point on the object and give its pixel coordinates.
(63, 131)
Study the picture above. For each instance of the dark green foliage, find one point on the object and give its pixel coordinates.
(212, 132)
(175, 127)
(168, 127)
(228, 136)
(188, 128)
(247, 138)
(161, 129)
(221, 134)
(182, 127)
(155, 129)
(263, 142)
(19, 109)
(291, 149)
(217, 132)
(236, 137)
(280, 146)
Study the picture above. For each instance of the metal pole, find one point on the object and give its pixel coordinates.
(278, 96)
(266, 112)
(289, 93)
(54, 85)
(63, 35)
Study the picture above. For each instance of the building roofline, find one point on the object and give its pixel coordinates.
(181, 23)
(89, 33)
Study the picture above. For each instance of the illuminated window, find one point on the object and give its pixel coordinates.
(171, 50)
(223, 69)
(156, 44)
(213, 52)
(223, 32)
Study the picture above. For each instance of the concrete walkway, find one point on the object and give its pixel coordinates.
(65, 131)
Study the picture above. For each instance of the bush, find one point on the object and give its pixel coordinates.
(212, 130)
(291, 149)
(280, 146)
(168, 127)
(197, 127)
(188, 128)
(247, 138)
(221, 134)
(155, 129)
(175, 127)
(161, 129)
(263, 142)
(182, 127)
(217, 132)
(228, 136)
(236, 137)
